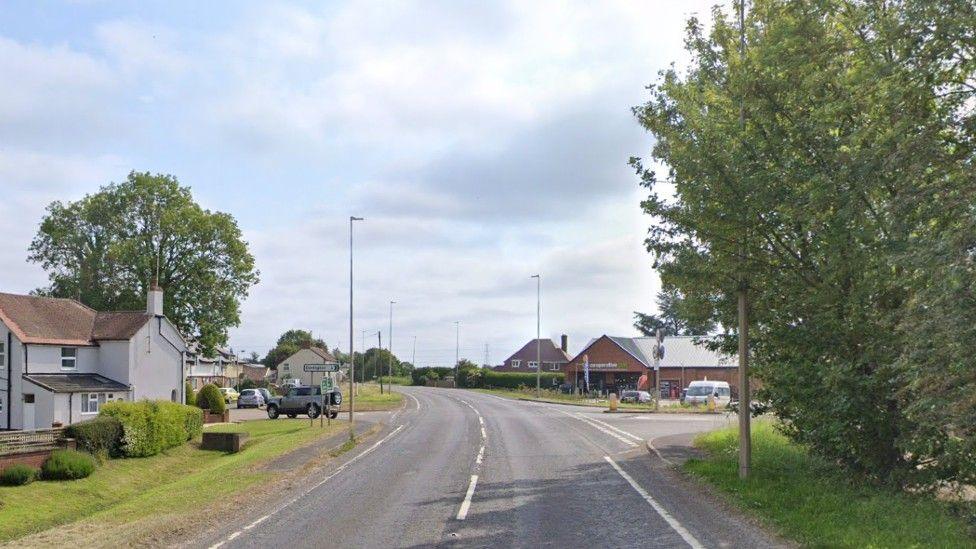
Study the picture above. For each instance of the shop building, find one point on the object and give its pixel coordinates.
(618, 363)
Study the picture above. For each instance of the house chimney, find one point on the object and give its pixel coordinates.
(154, 301)
(564, 343)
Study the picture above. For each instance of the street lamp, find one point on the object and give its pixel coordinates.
(352, 363)
(457, 350)
(389, 365)
(538, 335)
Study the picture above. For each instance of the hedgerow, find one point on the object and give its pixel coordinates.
(150, 427)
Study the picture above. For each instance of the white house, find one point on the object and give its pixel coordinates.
(293, 367)
(61, 360)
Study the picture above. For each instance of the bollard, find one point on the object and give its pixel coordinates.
(613, 402)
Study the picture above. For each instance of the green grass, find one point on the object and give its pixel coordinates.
(397, 380)
(558, 397)
(370, 399)
(178, 482)
(815, 504)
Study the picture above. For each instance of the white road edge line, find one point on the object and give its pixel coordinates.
(599, 428)
(608, 426)
(309, 490)
(672, 522)
(466, 504)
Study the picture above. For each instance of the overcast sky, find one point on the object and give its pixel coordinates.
(482, 141)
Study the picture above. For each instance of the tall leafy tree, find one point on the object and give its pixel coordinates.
(675, 316)
(813, 170)
(107, 249)
(290, 343)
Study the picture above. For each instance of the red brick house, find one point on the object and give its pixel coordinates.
(524, 360)
(617, 363)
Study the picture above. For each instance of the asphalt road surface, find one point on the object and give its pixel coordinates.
(464, 469)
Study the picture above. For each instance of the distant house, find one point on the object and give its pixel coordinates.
(293, 367)
(221, 368)
(525, 359)
(255, 372)
(60, 360)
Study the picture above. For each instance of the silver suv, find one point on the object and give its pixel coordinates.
(305, 400)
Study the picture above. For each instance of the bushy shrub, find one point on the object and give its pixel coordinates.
(17, 474)
(190, 398)
(102, 435)
(512, 380)
(150, 427)
(210, 398)
(67, 465)
(421, 376)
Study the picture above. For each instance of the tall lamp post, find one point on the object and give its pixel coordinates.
(352, 363)
(389, 364)
(538, 335)
(457, 350)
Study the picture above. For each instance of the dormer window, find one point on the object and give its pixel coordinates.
(516, 363)
(69, 358)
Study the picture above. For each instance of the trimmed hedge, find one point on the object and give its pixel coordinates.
(17, 474)
(210, 398)
(190, 397)
(513, 380)
(151, 426)
(97, 436)
(67, 465)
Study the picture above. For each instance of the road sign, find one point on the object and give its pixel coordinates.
(326, 384)
(332, 367)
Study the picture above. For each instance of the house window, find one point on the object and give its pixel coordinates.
(3, 353)
(554, 366)
(69, 357)
(90, 402)
(533, 364)
(516, 364)
(1, 403)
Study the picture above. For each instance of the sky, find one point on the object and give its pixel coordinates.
(483, 142)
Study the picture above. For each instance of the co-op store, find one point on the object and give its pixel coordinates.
(617, 364)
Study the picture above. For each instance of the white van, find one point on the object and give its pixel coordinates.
(699, 391)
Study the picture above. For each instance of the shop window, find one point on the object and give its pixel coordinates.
(516, 364)
(69, 358)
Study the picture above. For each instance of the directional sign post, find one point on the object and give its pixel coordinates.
(329, 367)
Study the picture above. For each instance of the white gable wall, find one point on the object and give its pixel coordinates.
(293, 367)
(156, 366)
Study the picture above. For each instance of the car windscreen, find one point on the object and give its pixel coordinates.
(700, 390)
(247, 392)
(304, 391)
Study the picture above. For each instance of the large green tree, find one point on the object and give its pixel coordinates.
(828, 171)
(676, 316)
(106, 249)
(290, 343)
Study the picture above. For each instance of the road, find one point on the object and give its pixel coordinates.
(465, 469)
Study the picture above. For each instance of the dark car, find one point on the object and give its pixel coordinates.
(305, 400)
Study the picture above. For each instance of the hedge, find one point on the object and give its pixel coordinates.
(102, 435)
(190, 397)
(67, 465)
(419, 376)
(210, 398)
(17, 474)
(514, 380)
(151, 426)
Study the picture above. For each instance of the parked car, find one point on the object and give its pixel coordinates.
(265, 393)
(635, 396)
(698, 392)
(230, 395)
(250, 398)
(305, 400)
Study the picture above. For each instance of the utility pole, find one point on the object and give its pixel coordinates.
(413, 358)
(362, 377)
(379, 347)
(389, 365)
(352, 365)
(745, 400)
(457, 350)
(538, 335)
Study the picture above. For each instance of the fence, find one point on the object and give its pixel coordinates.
(22, 442)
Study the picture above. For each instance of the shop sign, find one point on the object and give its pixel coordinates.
(607, 366)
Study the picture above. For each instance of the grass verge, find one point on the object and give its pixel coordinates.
(814, 503)
(174, 484)
(560, 398)
(369, 398)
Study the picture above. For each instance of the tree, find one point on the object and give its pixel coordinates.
(290, 343)
(107, 248)
(828, 172)
(674, 318)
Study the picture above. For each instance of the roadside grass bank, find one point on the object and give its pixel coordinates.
(556, 397)
(397, 380)
(814, 503)
(176, 484)
(369, 399)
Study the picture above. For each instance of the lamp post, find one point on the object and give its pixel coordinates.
(389, 364)
(457, 350)
(352, 363)
(538, 335)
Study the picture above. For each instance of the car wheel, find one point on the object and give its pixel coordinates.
(334, 414)
(239, 406)
(312, 411)
(273, 412)
(292, 416)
